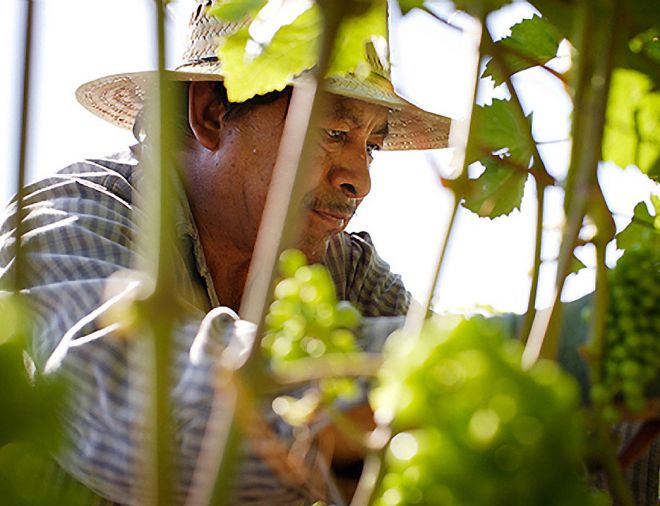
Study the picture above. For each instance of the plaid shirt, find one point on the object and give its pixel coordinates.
(79, 238)
(80, 241)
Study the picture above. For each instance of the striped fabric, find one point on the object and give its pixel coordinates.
(79, 239)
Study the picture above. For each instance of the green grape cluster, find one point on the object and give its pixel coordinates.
(631, 350)
(306, 321)
(473, 428)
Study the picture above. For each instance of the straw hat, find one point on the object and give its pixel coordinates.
(119, 98)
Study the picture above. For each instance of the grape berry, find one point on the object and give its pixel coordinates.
(631, 351)
(307, 321)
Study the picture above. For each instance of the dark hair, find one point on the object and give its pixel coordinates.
(232, 109)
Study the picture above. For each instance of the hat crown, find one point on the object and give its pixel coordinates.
(119, 98)
(204, 31)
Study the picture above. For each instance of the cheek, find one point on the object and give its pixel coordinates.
(319, 169)
(260, 172)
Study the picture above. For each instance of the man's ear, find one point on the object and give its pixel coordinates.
(204, 114)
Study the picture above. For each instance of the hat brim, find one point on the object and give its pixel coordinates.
(119, 98)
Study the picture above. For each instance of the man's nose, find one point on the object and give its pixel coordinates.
(350, 173)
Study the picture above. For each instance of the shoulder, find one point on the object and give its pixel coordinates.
(84, 210)
(363, 277)
(112, 176)
(353, 250)
(86, 187)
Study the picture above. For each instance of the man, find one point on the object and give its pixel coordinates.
(81, 228)
(82, 224)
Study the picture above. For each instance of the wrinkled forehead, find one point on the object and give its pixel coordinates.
(356, 113)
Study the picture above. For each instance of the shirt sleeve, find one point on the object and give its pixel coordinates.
(78, 233)
(365, 279)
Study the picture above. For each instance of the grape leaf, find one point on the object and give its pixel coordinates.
(292, 50)
(532, 42)
(633, 122)
(643, 228)
(576, 265)
(496, 128)
(560, 14)
(354, 33)
(498, 191)
(236, 10)
(634, 46)
(498, 142)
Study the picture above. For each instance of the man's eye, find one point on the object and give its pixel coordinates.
(335, 135)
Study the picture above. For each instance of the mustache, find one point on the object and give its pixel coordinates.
(330, 204)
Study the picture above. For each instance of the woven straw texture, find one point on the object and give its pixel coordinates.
(119, 98)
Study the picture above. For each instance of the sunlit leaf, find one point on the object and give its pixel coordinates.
(354, 33)
(498, 191)
(236, 10)
(643, 229)
(560, 14)
(532, 42)
(501, 144)
(632, 122)
(292, 50)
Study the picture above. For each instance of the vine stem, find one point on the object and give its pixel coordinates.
(530, 313)
(542, 178)
(607, 449)
(604, 235)
(596, 22)
(417, 313)
(615, 478)
(461, 141)
(526, 58)
(303, 370)
(157, 309)
(442, 20)
(372, 475)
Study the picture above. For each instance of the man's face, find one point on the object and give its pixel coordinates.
(338, 180)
